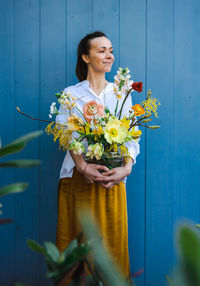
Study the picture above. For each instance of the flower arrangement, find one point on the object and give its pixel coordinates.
(105, 133)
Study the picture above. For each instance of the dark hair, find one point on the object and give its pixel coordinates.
(84, 48)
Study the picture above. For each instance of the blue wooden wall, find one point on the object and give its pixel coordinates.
(159, 41)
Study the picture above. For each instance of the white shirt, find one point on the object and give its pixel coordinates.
(84, 93)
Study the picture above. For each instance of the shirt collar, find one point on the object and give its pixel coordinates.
(87, 83)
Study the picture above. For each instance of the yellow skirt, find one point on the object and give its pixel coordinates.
(108, 208)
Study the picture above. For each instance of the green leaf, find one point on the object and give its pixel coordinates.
(18, 144)
(189, 245)
(20, 163)
(11, 149)
(52, 251)
(28, 137)
(52, 274)
(35, 246)
(106, 109)
(13, 188)
(70, 247)
(107, 271)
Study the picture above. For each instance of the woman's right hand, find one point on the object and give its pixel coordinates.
(92, 173)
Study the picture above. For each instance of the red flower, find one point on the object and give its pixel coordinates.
(137, 86)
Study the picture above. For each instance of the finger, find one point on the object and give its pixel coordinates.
(103, 168)
(110, 178)
(103, 179)
(108, 173)
(109, 185)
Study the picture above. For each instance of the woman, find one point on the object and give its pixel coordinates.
(81, 183)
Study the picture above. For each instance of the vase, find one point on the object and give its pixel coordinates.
(110, 160)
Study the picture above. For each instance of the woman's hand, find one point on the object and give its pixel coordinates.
(114, 176)
(92, 173)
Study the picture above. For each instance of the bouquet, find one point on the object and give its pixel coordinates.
(97, 133)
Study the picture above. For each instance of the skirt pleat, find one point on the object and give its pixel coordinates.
(107, 207)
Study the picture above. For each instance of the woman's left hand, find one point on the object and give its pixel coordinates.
(114, 176)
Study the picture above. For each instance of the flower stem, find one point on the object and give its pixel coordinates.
(32, 117)
(116, 107)
(80, 112)
(120, 112)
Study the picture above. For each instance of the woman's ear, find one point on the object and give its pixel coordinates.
(85, 58)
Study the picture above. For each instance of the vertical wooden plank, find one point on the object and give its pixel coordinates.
(186, 109)
(159, 161)
(7, 245)
(79, 23)
(52, 77)
(132, 54)
(106, 19)
(27, 98)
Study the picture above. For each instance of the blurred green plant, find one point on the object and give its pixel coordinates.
(79, 259)
(187, 273)
(15, 147)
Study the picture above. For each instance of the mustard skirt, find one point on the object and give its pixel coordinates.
(108, 208)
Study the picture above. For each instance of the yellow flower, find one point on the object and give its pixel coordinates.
(75, 123)
(115, 131)
(151, 105)
(119, 96)
(87, 128)
(60, 132)
(125, 122)
(134, 134)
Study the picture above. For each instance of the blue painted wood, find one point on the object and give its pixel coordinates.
(133, 54)
(38, 57)
(159, 161)
(186, 111)
(105, 17)
(79, 23)
(7, 232)
(52, 80)
(26, 68)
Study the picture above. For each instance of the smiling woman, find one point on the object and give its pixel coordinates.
(91, 185)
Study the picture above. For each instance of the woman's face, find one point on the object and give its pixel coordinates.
(100, 58)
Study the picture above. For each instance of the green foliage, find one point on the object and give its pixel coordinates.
(20, 164)
(73, 261)
(12, 148)
(13, 188)
(33, 245)
(106, 270)
(61, 264)
(187, 273)
(19, 144)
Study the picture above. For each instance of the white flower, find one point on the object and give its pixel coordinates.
(95, 150)
(77, 147)
(127, 70)
(53, 109)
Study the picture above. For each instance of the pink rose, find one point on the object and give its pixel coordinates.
(92, 109)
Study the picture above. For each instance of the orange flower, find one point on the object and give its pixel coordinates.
(138, 110)
(92, 109)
